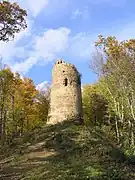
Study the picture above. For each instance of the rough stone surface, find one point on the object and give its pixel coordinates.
(65, 96)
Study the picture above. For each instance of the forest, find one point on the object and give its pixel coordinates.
(108, 105)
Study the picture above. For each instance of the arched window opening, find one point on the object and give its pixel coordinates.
(65, 81)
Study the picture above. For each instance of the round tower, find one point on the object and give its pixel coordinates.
(65, 96)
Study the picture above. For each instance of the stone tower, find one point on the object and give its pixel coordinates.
(65, 96)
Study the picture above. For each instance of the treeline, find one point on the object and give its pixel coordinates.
(22, 106)
(110, 102)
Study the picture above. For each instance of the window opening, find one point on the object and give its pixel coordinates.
(65, 81)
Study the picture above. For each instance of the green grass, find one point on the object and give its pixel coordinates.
(65, 152)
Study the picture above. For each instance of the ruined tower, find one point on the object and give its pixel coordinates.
(65, 96)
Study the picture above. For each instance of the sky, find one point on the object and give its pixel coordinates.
(65, 29)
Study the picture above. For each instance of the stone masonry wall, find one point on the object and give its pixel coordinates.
(65, 96)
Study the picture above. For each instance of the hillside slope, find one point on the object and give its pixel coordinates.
(65, 152)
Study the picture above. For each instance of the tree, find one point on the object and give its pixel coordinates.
(22, 106)
(25, 105)
(43, 106)
(115, 65)
(12, 20)
(6, 80)
(94, 106)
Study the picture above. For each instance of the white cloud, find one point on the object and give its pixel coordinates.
(36, 6)
(110, 2)
(80, 13)
(45, 48)
(52, 42)
(76, 14)
(43, 86)
(48, 46)
(121, 31)
(11, 49)
(81, 45)
(126, 33)
(24, 66)
(32, 6)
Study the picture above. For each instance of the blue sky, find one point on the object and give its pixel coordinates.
(65, 29)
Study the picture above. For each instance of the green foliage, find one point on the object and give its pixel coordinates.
(94, 106)
(42, 106)
(114, 63)
(66, 151)
(22, 107)
(12, 20)
(114, 174)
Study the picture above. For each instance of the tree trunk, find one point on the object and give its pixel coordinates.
(4, 128)
(2, 118)
(117, 130)
(132, 134)
(131, 122)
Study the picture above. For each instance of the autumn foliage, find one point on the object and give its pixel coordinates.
(22, 106)
(114, 63)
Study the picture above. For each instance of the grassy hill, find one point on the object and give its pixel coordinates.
(65, 152)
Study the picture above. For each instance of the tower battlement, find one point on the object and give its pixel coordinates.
(61, 63)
